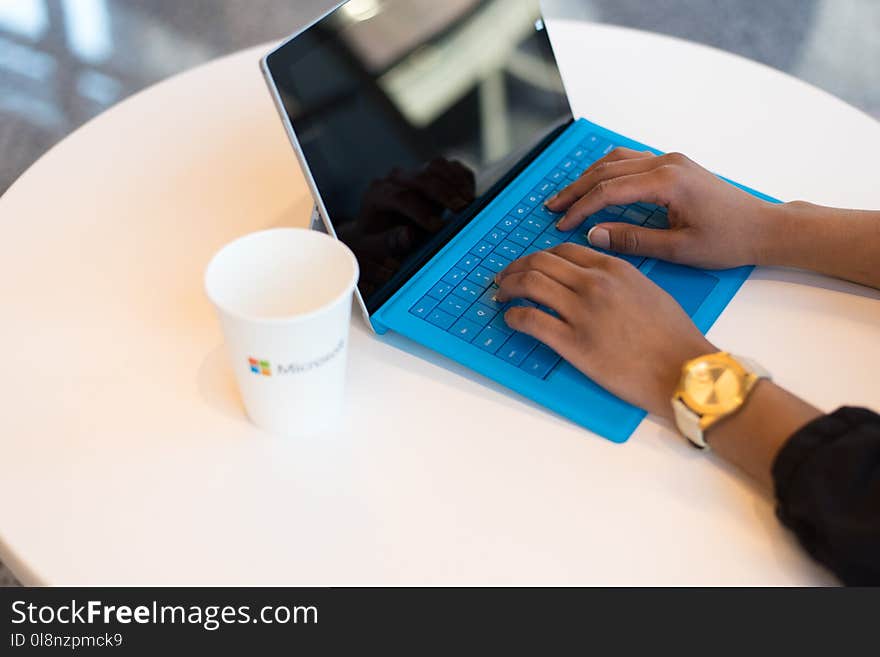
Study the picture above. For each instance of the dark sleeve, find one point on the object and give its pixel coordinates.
(827, 479)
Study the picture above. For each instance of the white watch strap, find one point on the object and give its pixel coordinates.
(688, 423)
(752, 366)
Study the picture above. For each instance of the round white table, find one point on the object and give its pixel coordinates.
(125, 457)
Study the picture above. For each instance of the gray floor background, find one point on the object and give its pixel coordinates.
(64, 61)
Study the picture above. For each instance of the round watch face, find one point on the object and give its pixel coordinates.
(714, 386)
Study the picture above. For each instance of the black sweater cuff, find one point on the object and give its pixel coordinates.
(827, 479)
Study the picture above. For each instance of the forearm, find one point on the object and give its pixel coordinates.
(840, 243)
(752, 437)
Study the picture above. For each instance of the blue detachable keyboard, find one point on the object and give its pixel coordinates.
(463, 301)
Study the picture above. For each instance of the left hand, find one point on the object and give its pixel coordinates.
(712, 224)
(614, 324)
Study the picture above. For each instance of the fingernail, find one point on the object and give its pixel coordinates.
(551, 200)
(599, 237)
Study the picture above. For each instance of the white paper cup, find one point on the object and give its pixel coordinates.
(284, 301)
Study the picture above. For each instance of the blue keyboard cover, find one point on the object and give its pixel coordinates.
(459, 298)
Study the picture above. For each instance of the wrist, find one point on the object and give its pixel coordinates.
(671, 372)
(785, 233)
(773, 225)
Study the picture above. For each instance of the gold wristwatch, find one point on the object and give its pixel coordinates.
(712, 387)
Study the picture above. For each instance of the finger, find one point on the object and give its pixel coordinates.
(559, 269)
(542, 326)
(538, 287)
(624, 153)
(648, 187)
(636, 240)
(621, 153)
(602, 170)
(582, 256)
(618, 154)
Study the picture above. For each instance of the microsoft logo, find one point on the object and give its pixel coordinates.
(260, 366)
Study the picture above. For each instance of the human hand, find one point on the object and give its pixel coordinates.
(712, 224)
(613, 324)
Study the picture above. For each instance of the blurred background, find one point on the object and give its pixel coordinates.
(64, 61)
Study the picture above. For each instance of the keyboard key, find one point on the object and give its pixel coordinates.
(600, 217)
(490, 339)
(552, 231)
(495, 236)
(615, 210)
(470, 291)
(482, 249)
(536, 224)
(481, 276)
(495, 263)
(658, 220)
(468, 263)
(480, 314)
(517, 348)
(533, 199)
(508, 223)
(606, 150)
(522, 210)
(500, 325)
(547, 241)
(579, 237)
(544, 214)
(579, 153)
(455, 276)
(557, 176)
(544, 189)
(488, 298)
(541, 361)
(439, 318)
(424, 307)
(590, 142)
(569, 165)
(522, 237)
(465, 329)
(635, 215)
(555, 232)
(440, 290)
(454, 306)
(510, 250)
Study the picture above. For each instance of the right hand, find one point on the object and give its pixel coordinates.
(712, 224)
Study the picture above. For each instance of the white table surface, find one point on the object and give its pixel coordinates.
(124, 454)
